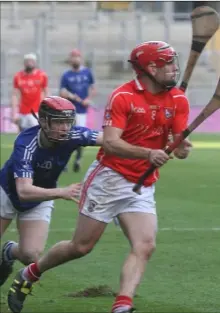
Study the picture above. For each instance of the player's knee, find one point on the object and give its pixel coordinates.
(81, 249)
(28, 256)
(145, 248)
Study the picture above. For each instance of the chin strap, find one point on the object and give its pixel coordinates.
(35, 116)
(135, 64)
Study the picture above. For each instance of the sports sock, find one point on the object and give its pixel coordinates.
(31, 273)
(7, 255)
(121, 304)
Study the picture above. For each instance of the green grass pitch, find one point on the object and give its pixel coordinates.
(183, 274)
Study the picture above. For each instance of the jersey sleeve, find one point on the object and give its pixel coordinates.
(63, 82)
(180, 122)
(116, 112)
(22, 162)
(84, 136)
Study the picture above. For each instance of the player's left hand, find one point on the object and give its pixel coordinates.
(183, 149)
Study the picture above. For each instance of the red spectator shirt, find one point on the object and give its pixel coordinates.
(30, 86)
(146, 120)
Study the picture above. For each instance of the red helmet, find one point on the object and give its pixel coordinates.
(157, 52)
(75, 53)
(59, 111)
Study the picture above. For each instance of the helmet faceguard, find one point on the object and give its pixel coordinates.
(159, 54)
(56, 117)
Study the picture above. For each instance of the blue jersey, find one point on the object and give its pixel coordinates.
(43, 165)
(78, 83)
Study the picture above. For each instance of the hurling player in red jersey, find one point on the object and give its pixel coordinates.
(139, 117)
(30, 86)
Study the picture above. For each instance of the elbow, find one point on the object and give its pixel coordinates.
(108, 146)
(64, 93)
(22, 195)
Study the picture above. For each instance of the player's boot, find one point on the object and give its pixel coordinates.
(6, 267)
(18, 292)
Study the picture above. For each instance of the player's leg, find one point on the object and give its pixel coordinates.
(88, 231)
(80, 121)
(140, 229)
(33, 231)
(7, 213)
(33, 227)
(89, 228)
(4, 223)
(6, 267)
(138, 220)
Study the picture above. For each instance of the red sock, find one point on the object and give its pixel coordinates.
(122, 302)
(32, 272)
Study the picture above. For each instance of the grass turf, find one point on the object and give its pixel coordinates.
(183, 274)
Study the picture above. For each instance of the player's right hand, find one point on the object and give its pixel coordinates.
(158, 157)
(71, 192)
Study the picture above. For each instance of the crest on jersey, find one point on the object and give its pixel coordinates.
(91, 206)
(107, 115)
(168, 113)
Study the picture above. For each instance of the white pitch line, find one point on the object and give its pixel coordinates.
(175, 229)
(185, 229)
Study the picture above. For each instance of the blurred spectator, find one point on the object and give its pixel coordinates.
(30, 87)
(77, 85)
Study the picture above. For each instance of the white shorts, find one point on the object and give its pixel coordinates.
(27, 121)
(106, 194)
(81, 119)
(41, 212)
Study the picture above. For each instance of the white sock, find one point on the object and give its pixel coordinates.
(122, 309)
(24, 274)
(7, 255)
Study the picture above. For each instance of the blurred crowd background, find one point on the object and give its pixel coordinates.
(105, 33)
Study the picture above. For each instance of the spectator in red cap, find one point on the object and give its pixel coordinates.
(77, 85)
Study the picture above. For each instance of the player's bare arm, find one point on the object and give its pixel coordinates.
(99, 140)
(64, 93)
(45, 93)
(114, 144)
(28, 192)
(14, 103)
(92, 93)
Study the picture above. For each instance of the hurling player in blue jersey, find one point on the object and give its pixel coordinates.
(29, 177)
(77, 85)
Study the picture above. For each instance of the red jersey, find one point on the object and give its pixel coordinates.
(146, 120)
(30, 86)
